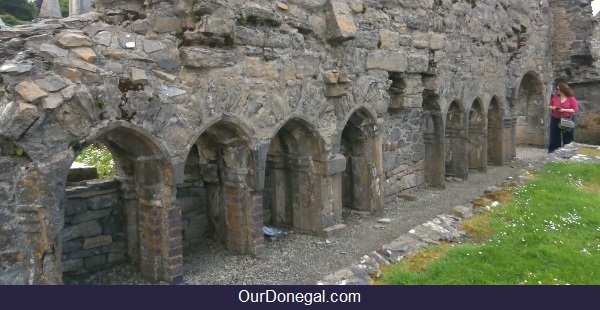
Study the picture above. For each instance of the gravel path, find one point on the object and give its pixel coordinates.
(305, 260)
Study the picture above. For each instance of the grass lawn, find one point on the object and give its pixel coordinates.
(546, 232)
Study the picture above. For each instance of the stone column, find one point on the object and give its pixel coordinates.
(50, 9)
(78, 7)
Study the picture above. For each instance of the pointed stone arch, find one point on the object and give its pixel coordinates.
(360, 144)
(477, 137)
(293, 194)
(456, 155)
(218, 196)
(432, 125)
(529, 110)
(147, 195)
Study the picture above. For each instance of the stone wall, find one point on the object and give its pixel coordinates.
(94, 234)
(224, 116)
(575, 61)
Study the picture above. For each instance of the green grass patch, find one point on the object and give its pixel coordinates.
(99, 157)
(547, 233)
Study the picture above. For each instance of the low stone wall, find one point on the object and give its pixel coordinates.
(191, 196)
(94, 233)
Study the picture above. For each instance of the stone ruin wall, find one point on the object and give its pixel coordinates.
(576, 62)
(253, 113)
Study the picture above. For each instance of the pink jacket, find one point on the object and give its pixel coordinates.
(570, 103)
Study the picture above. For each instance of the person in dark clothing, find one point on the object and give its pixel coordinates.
(563, 104)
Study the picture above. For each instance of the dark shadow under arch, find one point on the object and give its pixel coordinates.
(218, 197)
(456, 157)
(293, 194)
(477, 137)
(361, 182)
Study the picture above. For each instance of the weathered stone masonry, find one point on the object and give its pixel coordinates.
(224, 116)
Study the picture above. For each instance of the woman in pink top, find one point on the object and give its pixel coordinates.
(563, 104)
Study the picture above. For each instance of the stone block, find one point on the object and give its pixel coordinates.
(103, 38)
(52, 101)
(115, 246)
(86, 54)
(30, 91)
(72, 265)
(151, 46)
(216, 24)
(74, 40)
(335, 90)
(164, 23)
(199, 57)
(340, 22)
(71, 246)
(335, 165)
(81, 172)
(138, 76)
(17, 68)
(387, 60)
(95, 261)
(389, 40)
(16, 117)
(116, 257)
(417, 63)
(330, 77)
(84, 253)
(94, 242)
(53, 50)
(87, 229)
(333, 231)
(74, 206)
(72, 75)
(436, 41)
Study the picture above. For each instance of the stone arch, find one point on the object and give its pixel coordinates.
(293, 178)
(146, 194)
(495, 136)
(477, 137)
(432, 125)
(218, 198)
(529, 110)
(362, 186)
(456, 156)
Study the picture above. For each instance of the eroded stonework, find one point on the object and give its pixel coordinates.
(225, 116)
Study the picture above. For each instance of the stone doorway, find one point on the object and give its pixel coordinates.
(361, 184)
(141, 216)
(530, 111)
(218, 199)
(293, 195)
(477, 138)
(456, 155)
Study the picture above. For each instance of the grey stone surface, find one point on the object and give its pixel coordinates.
(236, 83)
(50, 9)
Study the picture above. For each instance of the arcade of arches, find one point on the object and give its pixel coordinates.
(239, 117)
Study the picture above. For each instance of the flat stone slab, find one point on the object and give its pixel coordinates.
(81, 172)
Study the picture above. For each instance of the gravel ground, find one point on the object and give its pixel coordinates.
(305, 260)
